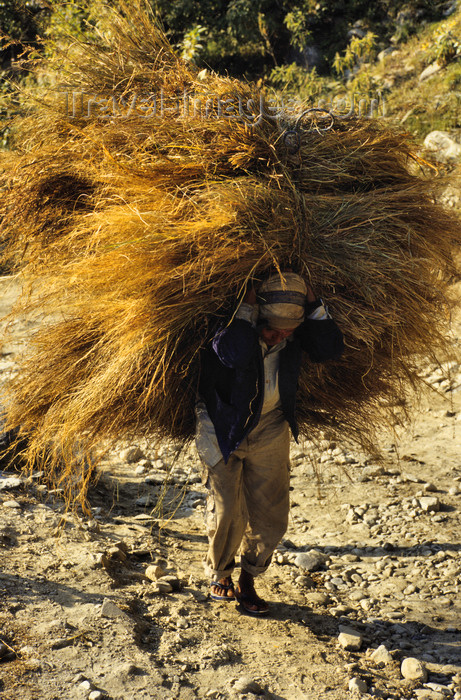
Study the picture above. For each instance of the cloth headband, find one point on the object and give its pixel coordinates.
(282, 297)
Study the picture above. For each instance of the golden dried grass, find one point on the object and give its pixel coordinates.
(136, 236)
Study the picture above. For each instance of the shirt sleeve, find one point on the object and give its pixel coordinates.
(320, 313)
(247, 312)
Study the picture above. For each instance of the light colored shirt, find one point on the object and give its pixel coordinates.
(271, 359)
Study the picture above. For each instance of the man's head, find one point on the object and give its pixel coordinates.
(281, 301)
(272, 336)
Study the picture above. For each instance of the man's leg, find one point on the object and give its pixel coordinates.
(226, 519)
(266, 479)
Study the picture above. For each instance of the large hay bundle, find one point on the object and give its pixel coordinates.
(138, 234)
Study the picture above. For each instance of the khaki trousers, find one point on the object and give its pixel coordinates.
(248, 500)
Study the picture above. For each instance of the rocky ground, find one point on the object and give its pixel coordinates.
(364, 589)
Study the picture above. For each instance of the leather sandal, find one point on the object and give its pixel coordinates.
(246, 601)
(226, 587)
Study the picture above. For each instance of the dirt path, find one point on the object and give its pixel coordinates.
(377, 551)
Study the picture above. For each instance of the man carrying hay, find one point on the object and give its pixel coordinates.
(244, 416)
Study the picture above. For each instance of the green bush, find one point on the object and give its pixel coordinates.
(446, 47)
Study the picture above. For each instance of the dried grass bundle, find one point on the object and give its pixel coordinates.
(136, 236)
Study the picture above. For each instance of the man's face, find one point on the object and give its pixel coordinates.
(272, 336)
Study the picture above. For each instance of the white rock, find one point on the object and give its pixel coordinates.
(358, 686)
(305, 581)
(161, 587)
(381, 655)
(413, 669)
(154, 572)
(99, 559)
(338, 582)
(373, 470)
(310, 561)
(145, 501)
(386, 52)
(11, 504)
(85, 685)
(443, 145)
(172, 580)
(428, 694)
(24, 651)
(95, 695)
(132, 455)
(9, 482)
(155, 478)
(112, 611)
(349, 638)
(429, 71)
(439, 688)
(246, 684)
(429, 504)
(130, 669)
(164, 586)
(451, 8)
(318, 598)
(146, 463)
(414, 479)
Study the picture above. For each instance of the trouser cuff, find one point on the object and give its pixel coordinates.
(215, 574)
(251, 568)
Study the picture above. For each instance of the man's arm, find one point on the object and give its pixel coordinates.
(237, 343)
(319, 335)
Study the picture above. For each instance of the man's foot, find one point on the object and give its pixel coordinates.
(246, 595)
(222, 589)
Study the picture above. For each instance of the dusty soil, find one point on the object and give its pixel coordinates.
(79, 617)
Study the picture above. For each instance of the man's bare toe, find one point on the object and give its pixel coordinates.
(222, 589)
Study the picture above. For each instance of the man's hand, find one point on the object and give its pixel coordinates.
(310, 296)
(250, 296)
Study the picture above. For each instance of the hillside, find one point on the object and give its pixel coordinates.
(421, 79)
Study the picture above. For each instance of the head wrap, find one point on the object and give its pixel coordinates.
(281, 300)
